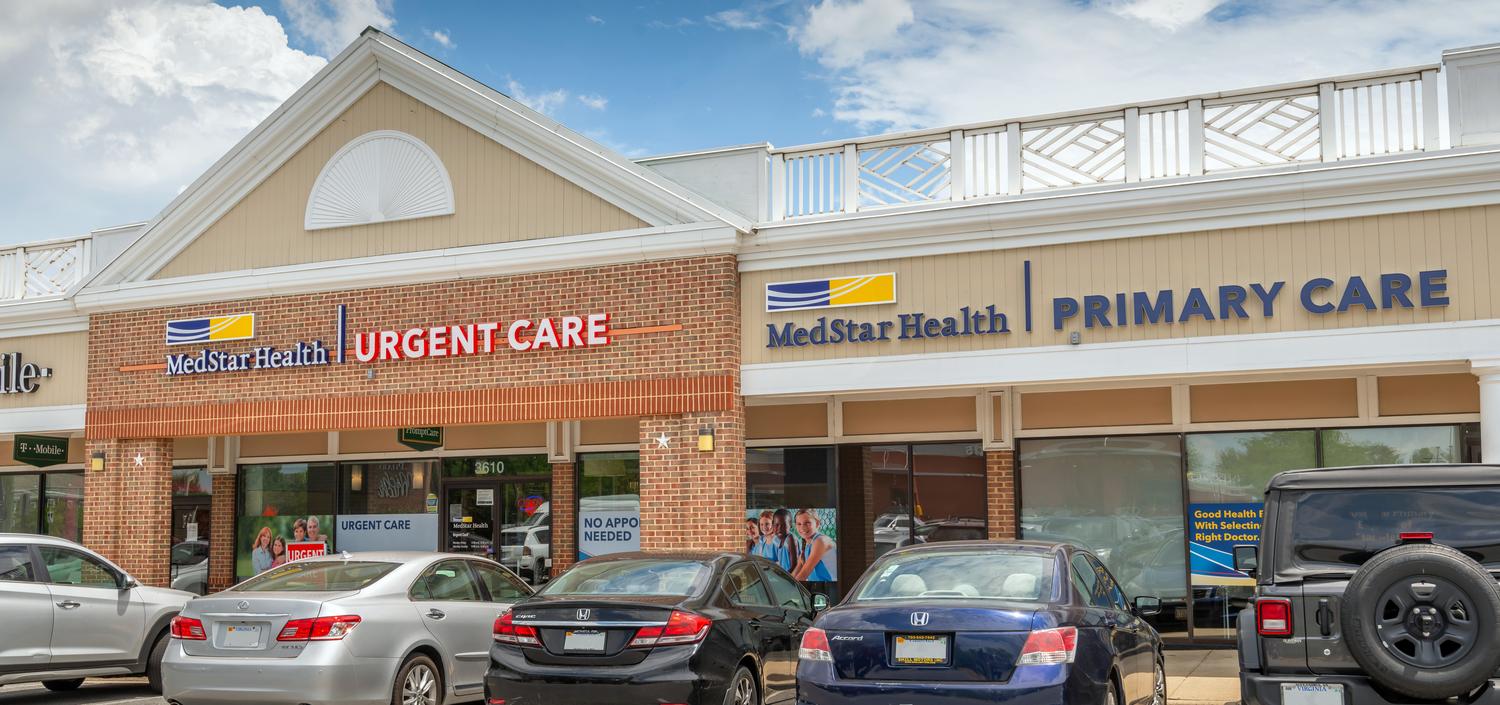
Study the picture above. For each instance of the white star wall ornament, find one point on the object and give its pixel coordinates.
(663, 441)
(140, 460)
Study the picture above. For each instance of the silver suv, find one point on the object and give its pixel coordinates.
(70, 614)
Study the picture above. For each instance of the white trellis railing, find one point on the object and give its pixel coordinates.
(43, 269)
(1343, 118)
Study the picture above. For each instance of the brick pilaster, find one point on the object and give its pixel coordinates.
(221, 538)
(564, 519)
(692, 499)
(1000, 471)
(127, 508)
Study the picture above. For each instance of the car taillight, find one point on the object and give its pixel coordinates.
(1273, 616)
(320, 629)
(188, 628)
(1049, 646)
(815, 646)
(1415, 536)
(508, 632)
(681, 628)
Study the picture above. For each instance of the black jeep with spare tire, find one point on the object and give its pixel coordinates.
(1375, 585)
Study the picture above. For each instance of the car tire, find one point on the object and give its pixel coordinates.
(1112, 692)
(153, 664)
(742, 689)
(1403, 614)
(63, 686)
(1159, 684)
(418, 682)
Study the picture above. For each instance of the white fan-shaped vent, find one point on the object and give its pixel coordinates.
(378, 177)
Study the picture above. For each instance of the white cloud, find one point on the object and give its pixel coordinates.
(546, 102)
(109, 112)
(593, 101)
(594, 19)
(442, 38)
(736, 19)
(678, 23)
(899, 65)
(331, 25)
(819, 112)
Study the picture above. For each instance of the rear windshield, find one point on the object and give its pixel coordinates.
(1025, 577)
(632, 577)
(1339, 530)
(318, 576)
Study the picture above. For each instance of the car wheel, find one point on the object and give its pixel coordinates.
(63, 686)
(1110, 698)
(1424, 621)
(417, 683)
(153, 664)
(742, 689)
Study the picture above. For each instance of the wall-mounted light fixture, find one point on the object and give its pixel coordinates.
(96, 461)
(357, 479)
(706, 439)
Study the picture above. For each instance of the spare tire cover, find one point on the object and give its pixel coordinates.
(1423, 620)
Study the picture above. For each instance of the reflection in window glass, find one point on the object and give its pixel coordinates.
(948, 479)
(18, 503)
(192, 482)
(609, 503)
(1390, 445)
(64, 510)
(388, 488)
(283, 506)
(1119, 497)
(1227, 478)
(890, 499)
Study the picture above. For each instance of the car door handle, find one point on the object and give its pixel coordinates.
(69, 605)
(436, 614)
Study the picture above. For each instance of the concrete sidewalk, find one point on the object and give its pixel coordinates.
(1203, 677)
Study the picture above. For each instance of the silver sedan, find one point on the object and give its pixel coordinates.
(407, 628)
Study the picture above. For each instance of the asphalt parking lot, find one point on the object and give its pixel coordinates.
(95, 691)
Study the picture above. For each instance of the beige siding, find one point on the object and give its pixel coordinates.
(499, 196)
(786, 421)
(1274, 401)
(939, 415)
(1457, 240)
(1428, 394)
(1097, 407)
(66, 353)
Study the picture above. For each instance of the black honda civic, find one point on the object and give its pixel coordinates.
(673, 629)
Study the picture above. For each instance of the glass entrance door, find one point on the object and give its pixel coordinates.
(506, 520)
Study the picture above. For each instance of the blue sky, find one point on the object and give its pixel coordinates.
(113, 107)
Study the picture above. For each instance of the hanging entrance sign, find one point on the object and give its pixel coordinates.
(420, 438)
(40, 451)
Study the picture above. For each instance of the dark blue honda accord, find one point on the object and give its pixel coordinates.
(1018, 622)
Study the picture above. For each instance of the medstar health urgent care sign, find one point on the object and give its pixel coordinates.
(1317, 295)
(463, 339)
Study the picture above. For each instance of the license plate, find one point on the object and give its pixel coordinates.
(583, 641)
(920, 650)
(241, 636)
(1312, 694)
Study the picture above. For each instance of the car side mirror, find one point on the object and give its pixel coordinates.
(1247, 559)
(127, 583)
(820, 602)
(1146, 606)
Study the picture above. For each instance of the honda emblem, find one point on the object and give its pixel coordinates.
(919, 619)
(583, 615)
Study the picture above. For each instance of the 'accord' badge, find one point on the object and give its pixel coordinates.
(583, 615)
(919, 619)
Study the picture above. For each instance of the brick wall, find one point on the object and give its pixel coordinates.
(221, 538)
(564, 518)
(128, 507)
(665, 372)
(1000, 467)
(691, 499)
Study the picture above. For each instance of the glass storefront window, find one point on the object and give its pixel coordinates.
(949, 487)
(1391, 445)
(19, 499)
(1227, 475)
(388, 506)
(609, 503)
(791, 515)
(64, 509)
(192, 482)
(1120, 497)
(286, 512)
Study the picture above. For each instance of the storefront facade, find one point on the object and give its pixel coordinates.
(542, 352)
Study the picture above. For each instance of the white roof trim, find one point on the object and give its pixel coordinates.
(378, 57)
